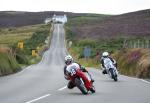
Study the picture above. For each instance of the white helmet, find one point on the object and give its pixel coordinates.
(68, 59)
(105, 54)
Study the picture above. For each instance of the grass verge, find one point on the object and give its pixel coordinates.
(13, 58)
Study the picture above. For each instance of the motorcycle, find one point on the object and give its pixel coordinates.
(79, 83)
(111, 69)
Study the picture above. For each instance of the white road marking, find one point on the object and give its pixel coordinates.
(145, 81)
(62, 88)
(44, 96)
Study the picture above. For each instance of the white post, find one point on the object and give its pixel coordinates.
(138, 43)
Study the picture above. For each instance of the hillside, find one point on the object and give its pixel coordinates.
(16, 18)
(110, 33)
(134, 24)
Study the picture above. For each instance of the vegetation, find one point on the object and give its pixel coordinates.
(12, 57)
(8, 63)
(35, 42)
(97, 46)
(133, 62)
(86, 20)
(13, 35)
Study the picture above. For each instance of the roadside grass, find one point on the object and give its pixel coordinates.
(89, 62)
(78, 45)
(132, 62)
(13, 38)
(13, 58)
(35, 42)
(8, 63)
(15, 34)
(23, 29)
(97, 47)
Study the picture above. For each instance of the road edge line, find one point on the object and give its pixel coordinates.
(145, 81)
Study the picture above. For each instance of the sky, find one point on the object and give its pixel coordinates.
(77, 6)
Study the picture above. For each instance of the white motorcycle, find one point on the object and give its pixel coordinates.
(111, 69)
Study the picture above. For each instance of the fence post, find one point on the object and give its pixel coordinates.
(138, 43)
(131, 46)
(125, 43)
(147, 43)
(134, 44)
(142, 45)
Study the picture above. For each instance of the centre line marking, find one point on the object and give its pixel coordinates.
(62, 88)
(38, 98)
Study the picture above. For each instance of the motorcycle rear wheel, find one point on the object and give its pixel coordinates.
(113, 76)
(81, 86)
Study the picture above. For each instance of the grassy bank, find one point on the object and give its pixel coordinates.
(13, 58)
(15, 34)
(97, 47)
(8, 63)
(132, 62)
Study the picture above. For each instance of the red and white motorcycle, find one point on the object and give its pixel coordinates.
(78, 81)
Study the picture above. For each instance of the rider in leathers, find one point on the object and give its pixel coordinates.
(69, 70)
(105, 55)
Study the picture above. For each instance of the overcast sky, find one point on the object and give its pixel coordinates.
(78, 6)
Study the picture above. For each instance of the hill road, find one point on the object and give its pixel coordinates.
(45, 83)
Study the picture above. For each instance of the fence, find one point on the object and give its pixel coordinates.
(136, 44)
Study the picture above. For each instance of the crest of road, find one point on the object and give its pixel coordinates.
(45, 83)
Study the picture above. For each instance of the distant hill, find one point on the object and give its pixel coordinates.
(134, 24)
(17, 18)
(111, 26)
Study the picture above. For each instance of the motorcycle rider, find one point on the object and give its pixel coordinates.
(105, 55)
(69, 70)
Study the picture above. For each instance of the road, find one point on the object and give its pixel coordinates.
(45, 83)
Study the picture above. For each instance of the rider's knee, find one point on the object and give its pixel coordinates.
(70, 85)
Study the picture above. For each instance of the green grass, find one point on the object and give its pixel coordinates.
(24, 29)
(132, 62)
(37, 40)
(8, 64)
(15, 34)
(32, 36)
(13, 38)
(85, 20)
(96, 46)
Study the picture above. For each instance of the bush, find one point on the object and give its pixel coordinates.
(69, 33)
(8, 64)
(11, 59)
(21, 57)
(37, 38)
(134, 62)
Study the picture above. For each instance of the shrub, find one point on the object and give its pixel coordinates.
(134, 62)
(8, 63)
